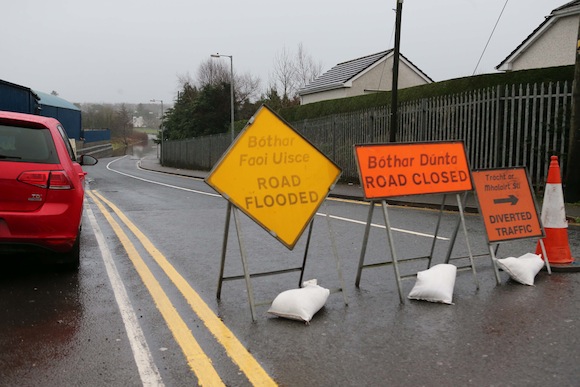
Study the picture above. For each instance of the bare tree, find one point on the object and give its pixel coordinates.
(306, 68)
(184, 79)
(246, 87)
(213, 72)
(284, 74)
(293, 72)
(123, 125)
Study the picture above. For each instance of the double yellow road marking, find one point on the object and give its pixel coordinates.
(196, 357)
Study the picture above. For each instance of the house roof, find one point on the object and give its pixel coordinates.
(567, 6)
(570, 8)
(340, 75)
(14, 85)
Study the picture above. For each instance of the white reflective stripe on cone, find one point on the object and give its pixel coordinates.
(553, 210)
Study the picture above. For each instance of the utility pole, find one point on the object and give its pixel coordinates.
(395, 83)
(572, 179)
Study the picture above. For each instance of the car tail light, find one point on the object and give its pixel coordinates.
(59, 180)
(46, 179)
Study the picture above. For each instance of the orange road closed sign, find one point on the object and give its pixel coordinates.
(275, 176)
(506, 204)
(396, 169)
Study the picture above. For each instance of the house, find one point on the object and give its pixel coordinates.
(138, 122)
(365, 75)
(553, 43)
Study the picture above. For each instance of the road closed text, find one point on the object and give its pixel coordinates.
(280, 191)
(417, 178)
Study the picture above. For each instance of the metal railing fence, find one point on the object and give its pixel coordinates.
(503, 126)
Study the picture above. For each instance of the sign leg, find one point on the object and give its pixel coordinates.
(393, 252)
(363, 249)
(452, 240)
(224, 249)
(548, 267)
(460, 205)
(305, 253)
(493, 264)
(336, 256)
(436, 231)
(245, 266)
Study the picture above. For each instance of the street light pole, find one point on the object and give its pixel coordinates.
(231, 88)
(160, 127)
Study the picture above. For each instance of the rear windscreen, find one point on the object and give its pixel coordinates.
(27, 145)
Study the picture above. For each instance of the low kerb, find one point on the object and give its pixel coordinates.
(396, 169)
(275, 176)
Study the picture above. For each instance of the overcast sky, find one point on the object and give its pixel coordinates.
(134, 50)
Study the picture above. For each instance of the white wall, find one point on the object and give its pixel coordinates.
(556, 47)
(323, 96)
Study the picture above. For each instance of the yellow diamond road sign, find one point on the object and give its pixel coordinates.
(275, 176)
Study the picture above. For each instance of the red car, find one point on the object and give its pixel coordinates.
(41, 188)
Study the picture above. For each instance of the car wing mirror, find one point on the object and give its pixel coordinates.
(87, 160)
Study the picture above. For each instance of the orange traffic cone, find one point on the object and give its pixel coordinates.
(554, 219)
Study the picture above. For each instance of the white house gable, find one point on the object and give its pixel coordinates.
(553, 43)
(362, 76)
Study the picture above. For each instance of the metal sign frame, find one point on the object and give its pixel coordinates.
(247, 276)
(395, 261)
(407, 167)
(278, 159)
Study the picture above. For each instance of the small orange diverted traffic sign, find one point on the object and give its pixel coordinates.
(397, 169)
(506, 204)
(275, 176)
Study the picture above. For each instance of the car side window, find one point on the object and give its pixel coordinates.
(66, 140)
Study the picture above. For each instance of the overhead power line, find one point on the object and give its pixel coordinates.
(489, 39)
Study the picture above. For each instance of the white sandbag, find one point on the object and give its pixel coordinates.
(300, 304)
(435, 284)
(522, 269)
